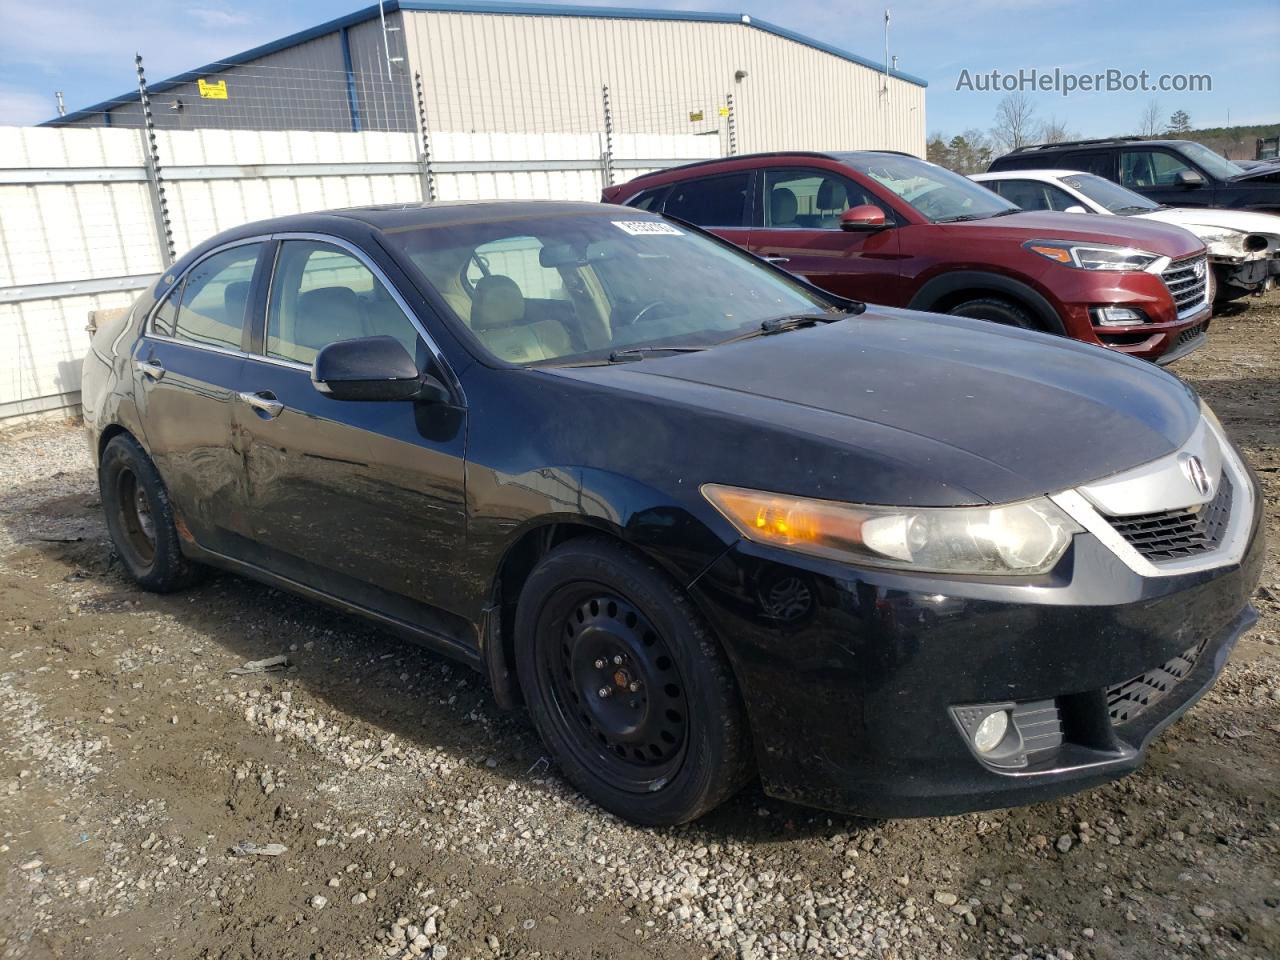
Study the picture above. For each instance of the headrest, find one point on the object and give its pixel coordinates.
(235, 296)
(782, 205)
(328, 314)
(498, 303)
(832, 195)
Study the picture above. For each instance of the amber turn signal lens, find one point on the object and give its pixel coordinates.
(1057, 254)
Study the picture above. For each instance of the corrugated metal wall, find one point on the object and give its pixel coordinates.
(534, 73)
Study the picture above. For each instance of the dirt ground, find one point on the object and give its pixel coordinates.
(417, 819)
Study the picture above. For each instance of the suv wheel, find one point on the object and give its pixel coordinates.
(140, 518)
(996, 310)
(627, 687)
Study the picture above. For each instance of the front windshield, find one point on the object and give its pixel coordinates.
(575, 288)
(1218, 166)
(938, 194)
(1115, 198)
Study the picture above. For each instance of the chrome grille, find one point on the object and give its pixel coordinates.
(1189, 290)
(1127, 701)
(1172, 534)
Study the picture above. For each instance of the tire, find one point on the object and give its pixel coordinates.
(662, 751)
(140, 518)
(996, 310)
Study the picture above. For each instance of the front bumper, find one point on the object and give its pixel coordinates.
(850, 676)
(1164, 339)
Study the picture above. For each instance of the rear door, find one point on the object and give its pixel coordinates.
(721, 204)
(187, 365)
(799, 230)
(361, 500)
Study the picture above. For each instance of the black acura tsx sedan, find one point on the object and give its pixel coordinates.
(703, 520)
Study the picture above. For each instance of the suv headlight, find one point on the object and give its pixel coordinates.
(1093, 256)
(1011, 539)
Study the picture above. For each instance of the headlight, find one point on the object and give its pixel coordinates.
(1092, 256)
(1011, 539)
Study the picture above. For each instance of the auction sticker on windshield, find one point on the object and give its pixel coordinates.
(643, 228)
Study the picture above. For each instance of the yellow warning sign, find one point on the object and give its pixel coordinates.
(212, 89)
(695, 116)
(724, 111)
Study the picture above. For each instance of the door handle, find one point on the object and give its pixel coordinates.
(778, 261)
(264, 402)
(149, 369)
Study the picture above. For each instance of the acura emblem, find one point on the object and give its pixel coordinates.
(1195, 472)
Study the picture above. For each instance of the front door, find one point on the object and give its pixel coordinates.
(1154, 173)
(800, 232)
(363, 500)
(186, 368)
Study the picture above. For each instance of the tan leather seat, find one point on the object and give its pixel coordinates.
(497, 315)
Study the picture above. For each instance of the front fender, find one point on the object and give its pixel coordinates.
(941, 286)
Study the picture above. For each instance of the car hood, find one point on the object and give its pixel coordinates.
(966, 411)
(1164, 239)
(1267, 172)
(1246, 221)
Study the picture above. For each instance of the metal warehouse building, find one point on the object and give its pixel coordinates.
(533, 68)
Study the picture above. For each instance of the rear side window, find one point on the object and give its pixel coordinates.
(712, 201)
(1034, 194)
(215, 298)
(321, 294)
(1097, 162)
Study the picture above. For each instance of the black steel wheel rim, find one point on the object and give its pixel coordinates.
(137, 523)
(615, 690)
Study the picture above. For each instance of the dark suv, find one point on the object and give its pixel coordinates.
(1179, 173)
(889, 228)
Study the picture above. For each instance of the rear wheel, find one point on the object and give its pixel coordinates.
(627, 687)
(996, 310)
(140, 518)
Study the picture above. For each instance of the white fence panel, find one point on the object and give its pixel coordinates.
(78, 231)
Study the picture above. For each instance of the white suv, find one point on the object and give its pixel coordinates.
(1244, 247)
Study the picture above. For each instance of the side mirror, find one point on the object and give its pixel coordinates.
(1189, 178)
(866, 216)
(1076, 208)
(372, 368)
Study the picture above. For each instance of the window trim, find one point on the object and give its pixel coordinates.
(149, 329)
(455, 385)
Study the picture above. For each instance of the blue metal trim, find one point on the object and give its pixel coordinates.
(353, 97)
(493, 7)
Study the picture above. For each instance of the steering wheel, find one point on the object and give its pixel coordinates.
(651, 305)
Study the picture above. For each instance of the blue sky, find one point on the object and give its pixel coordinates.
(86, 47)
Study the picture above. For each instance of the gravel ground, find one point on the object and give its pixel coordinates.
(371, 801)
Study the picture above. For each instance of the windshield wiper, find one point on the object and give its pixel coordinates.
(639, 353)
(783, 324)
(978, 216)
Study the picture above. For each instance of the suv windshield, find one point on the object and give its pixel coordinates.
(1115, 198)
(934, 192)
(577, 288)
(1217, 166)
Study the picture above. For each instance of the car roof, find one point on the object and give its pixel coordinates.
(398, 216)
(836, 155)
(1044, 174)
(1099, 144)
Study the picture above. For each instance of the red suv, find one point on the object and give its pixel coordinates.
(891, 229)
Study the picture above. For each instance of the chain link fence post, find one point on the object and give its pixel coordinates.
(733, 126)
(424, 157)
(608, 137)
(155, 180)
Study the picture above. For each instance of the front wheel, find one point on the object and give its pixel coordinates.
(996, 310)
(627, 687)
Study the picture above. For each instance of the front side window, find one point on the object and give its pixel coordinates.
(811, 199)
(321, 294)
(214, 301)
(934, 192)
(625, 279)
(711, 201)
(1151, 168)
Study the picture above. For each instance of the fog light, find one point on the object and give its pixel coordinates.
(991, 731)
(1118, 317)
